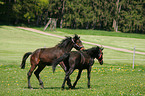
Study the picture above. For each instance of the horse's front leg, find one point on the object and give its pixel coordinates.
(89, 75)
(63, 66)
(67, 76)
(78, 77)
(63, 84)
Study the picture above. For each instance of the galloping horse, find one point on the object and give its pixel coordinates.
(45, 56)
(79, 60)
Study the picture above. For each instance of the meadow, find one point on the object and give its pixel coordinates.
(114, 78)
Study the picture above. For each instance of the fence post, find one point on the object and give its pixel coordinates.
(133, 57)
(47, 24)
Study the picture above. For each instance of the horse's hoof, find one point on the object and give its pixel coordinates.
(62, 88)
(30, 88)
(70, 87)
(42, 87)
(89, 87)
(73, 87)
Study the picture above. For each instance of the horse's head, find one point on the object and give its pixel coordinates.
(96, 52)
(77, 43)
(69, 42)
(100, 55)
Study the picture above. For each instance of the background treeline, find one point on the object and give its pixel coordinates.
(117, 15)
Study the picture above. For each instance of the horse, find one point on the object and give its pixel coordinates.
(45, 56)
(79, 60)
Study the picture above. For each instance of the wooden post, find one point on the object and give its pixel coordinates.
(47, 24)
(52, 22)
(133, 57)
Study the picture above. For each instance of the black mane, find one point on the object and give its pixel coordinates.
(92, 51)
(64, 42)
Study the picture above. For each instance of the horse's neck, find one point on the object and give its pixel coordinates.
(65, 49)
(86, 57)
(90, 54)
(68, 48)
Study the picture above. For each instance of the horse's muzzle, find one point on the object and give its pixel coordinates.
(101, 63)
(82, 48)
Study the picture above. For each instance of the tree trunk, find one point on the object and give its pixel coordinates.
(37, 22)
(62, 13)
(87, 26)
(46, 16)
(61, 22)
(94, 24)
(115, 20)
(115, 25)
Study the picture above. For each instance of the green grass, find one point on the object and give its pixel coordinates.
(114, 78)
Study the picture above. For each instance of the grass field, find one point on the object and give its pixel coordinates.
(126, 40)
(114, 78)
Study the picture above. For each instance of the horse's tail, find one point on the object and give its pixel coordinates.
(56, 62)
(26, 55)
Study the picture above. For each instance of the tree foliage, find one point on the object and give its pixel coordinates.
(117, 15)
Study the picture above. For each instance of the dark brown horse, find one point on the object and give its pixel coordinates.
(45, 56)
(79, 60)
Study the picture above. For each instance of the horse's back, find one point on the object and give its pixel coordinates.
(75, 59)
(80, 59)
(45, 54)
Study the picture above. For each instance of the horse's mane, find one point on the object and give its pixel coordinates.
(64, 42)
(92, 50)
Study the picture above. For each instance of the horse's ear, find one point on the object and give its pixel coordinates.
(76, 36)
(102, 48)
(97, 47)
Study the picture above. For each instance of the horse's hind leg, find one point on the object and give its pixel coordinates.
(37, 72)
(69, 83)
(29, 74)
(67, 76)
(65, 69)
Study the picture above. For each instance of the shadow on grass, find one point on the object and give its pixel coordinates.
(66, 88)
(43, 89)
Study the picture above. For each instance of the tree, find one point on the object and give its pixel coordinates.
(132, 16)
(17, 7)
(116, 16)
(62, 12)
